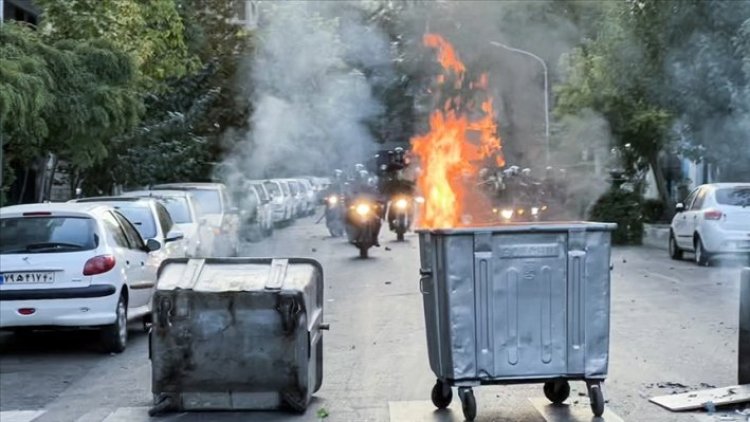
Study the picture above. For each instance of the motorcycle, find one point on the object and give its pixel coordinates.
(363, 224)
(334, 215)
(400, 215)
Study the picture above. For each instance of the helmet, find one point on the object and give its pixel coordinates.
(363, 174)
(514, 170)
(508, 172)
(359, 167)
(337, 173)
(483, 173)
(526, 172)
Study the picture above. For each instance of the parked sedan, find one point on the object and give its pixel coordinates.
(218, 212)
(150, 218)
(281, 200)
(310, 196)
(714, 219)
(185, 213)
(265, 209)
(74, 265)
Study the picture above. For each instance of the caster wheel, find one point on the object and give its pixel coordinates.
(596, 397)
(468, 403)
(442, 395)
(557, 391)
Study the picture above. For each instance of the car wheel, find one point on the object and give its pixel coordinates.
(114, 337)
(674, 251)
(701, 256)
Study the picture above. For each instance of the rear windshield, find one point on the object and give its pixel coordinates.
(178, 208)
(273, 188)
(739, 196)
(141, 217)
(209, 200)
(47, 234)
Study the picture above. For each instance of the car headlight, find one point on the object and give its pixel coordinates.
(506, 214)
(402, 204)
(534, 210)
(362, 209)
(333, 200)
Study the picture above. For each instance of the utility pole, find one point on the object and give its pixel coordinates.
(546, 88)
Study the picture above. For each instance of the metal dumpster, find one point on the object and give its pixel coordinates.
(237, 333)
(518, 303)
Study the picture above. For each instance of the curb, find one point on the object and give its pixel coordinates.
(656, 236)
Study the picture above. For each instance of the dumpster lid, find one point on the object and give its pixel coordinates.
(537, 227)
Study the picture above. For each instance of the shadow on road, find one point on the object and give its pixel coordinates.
(58, 342)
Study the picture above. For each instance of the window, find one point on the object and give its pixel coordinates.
(689, 200)
(261, 192)
(134, 239)
(141, 216)
(738, 196)
(699, 198)
(227, 203)
(47, 234)
(177, 207)
(165, 221)
(209, 200)
(273, 188)
(294, 188)
(112, 226)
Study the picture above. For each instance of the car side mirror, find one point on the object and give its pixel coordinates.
(173, 236)
(152, 245)
(680, 207)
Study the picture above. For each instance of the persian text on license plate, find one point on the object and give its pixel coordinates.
(27, 278)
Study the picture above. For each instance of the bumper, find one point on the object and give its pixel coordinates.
(726, 241)
(64, 312)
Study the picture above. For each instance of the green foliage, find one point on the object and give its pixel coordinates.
(653, 211)
(152, 32)
(624, 208)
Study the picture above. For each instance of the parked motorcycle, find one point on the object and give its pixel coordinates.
(363, 217)
(334, 215)
(400, 215)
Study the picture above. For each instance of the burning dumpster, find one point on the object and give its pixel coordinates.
(237, 333)
(517, 304)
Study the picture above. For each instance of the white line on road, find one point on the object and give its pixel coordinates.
(19, 415)
(665, 277)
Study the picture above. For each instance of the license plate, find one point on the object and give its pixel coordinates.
(27, 278)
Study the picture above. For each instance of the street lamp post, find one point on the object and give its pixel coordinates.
(546, 88)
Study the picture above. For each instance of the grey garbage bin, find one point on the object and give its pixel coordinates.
(237, 334)
(518, 303)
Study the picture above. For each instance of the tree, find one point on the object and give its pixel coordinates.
(152, 32)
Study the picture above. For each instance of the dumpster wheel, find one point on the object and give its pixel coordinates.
(468, 403)
(596, 397)
(557, 391)
(442, 395)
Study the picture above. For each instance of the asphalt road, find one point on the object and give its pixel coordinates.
(672, 322)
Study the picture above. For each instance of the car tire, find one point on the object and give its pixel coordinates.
(674, 251)
(702, 257)
(114, 337)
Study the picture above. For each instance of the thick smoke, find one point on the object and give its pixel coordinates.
(312, 100)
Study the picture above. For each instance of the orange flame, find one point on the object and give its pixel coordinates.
(455, 146)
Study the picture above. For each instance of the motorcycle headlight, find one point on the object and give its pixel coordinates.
(402, 204)
(521, 211)
(333, 200)
(362, 209)
(534, 210)
(506, 214)
(419, 199)
(544, 207)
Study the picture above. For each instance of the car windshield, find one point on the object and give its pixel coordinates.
(209, 200)
(178, 208)
(739, 196)
(141, 217)
(47, 234)
(273, 188)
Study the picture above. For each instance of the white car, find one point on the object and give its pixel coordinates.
(218, 212)
(74, 265)
(150, 218)
(310, 195)
(265, 209)
(185, 213)
(714, 219)
(281, 198)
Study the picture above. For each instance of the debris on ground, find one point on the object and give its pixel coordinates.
(322, 413)
(387, 282)
(387, 248)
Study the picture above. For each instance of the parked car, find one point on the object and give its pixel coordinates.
(714, 219)
(218, 213)
(74, 265)
(281, 200)
(297, 197)
(310, 196)
(248, 202)
(186, 215)
(265, 208)
(150, 218)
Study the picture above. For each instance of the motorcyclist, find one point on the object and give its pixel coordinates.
(365, 187)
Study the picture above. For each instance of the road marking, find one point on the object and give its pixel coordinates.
(665, 277)
(570, 412)
(19, 415)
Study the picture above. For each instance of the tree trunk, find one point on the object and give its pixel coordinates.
(661, 184)
(24, 184)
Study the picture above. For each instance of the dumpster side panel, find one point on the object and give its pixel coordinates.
(431, 297)
(524, 325)
(597, 304)
(455, 269)
(261, 348)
